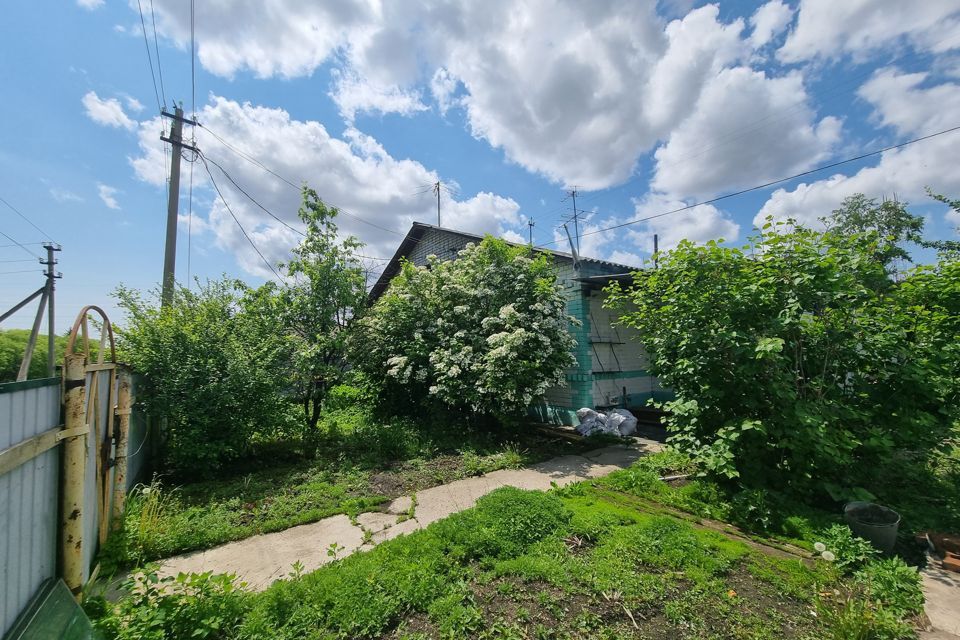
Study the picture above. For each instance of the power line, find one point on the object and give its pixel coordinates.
(755, 125)
(9, 261)
(29, 221)
(242, 230)
(156, 46)
(193, 58)
(252, 199)
(272, 214)
(3, 273)
(21, 244)
(146, 43)
(15, 243)
(256, 162)
(769, 184)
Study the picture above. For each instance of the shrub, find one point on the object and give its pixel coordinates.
(196, 605)
(796, 360)
(485, 333)
(208, 369)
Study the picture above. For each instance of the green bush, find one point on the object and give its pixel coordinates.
(797, 363)
(209, 370)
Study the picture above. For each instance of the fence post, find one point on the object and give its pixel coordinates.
(124, 408)
(74, 462)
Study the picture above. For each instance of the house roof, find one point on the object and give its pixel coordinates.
(419, 229)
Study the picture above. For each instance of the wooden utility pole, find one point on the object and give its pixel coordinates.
(173, 200)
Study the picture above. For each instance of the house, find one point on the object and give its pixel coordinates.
(611, 368)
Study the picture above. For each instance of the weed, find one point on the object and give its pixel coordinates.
(845, 550)
(892, 584)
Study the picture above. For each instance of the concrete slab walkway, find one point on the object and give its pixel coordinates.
(942, 591)
(260, 560)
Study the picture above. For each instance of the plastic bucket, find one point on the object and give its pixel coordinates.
(874, 523)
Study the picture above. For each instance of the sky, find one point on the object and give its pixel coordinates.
(642, 107)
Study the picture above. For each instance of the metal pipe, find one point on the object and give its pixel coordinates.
(74, 462)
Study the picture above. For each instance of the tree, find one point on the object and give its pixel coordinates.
(486, 333)
(949, 248)
(326, 293)
(890, 220)
(795, 360)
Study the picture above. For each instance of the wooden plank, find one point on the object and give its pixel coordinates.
(27, 450)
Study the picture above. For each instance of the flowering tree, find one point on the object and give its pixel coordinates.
(487, 332)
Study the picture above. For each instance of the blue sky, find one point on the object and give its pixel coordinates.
(643, 106)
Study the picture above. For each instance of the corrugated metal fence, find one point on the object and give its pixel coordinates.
(28, 494)
(31, 427)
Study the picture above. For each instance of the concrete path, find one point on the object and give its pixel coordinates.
(942, 590)
(260, 560)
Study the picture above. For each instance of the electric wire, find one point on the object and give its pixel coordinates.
(29, 221)
(256, 162)
(3, 273)
(766, 184)
(19, 245)
(272, 214)
(193, 59)
(18, 260)
(146, 43)
(235, 219)
(156, 46)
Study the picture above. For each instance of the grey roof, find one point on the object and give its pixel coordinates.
(419, 229)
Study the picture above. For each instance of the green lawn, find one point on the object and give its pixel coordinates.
(587, 561)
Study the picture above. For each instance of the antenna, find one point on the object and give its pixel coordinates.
(436, 190)
(530, 224)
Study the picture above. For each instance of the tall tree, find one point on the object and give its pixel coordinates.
(326, 292)
(891, 221)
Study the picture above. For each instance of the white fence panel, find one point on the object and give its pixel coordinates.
(28, 495)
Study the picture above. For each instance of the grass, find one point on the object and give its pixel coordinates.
(572, 563)
(361, 464)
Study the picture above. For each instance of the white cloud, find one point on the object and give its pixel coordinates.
(769, 132)
(133, 104)
(107, 112)
(64, 195)
(512, 236)
(90, 5)
(698, 224)
(107, 194)
(828, 29)
(626, 257)
(902, 102)
(769, 21)
(354, 172)
(573, 91)
(354, 95)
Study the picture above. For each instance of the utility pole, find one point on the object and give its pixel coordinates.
(530, 224)
(173, 200)
(576, 225)
(52, 276)
(436, 190)
(656, 251)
